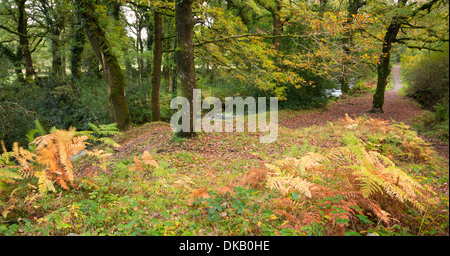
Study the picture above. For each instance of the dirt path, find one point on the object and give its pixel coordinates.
(396, 78)
(396, 108)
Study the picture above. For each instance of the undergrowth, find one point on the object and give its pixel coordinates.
(352, 177)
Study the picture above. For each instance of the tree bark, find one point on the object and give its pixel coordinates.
(112, 72)
(185, 57)
(277, 29)
(24, 47)
(157, 60)
(55, 23)
(347, 42)
(77, 48)
(383, 67)
(174, 71)
(274, 7)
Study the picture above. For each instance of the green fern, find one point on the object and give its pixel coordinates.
(38, 130)
(101, 134)
(7, 168)
(7, 175)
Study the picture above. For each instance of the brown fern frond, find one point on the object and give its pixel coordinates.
(309, 218)
(142, 164)
(342, 156)
(254, 178)
(55, 151)
(200, 193)
(290, 217)
(147, 159)
(368, 205)
(43, 140)
(77, 145)
(3, 147)
(350, 120)
(225, 190)
(25, 158)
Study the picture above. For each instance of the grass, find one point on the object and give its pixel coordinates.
(198, 187)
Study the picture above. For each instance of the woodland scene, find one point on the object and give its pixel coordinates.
(90, 89)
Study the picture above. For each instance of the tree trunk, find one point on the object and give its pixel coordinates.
(322, 7)
(77, 48)
(277, 29)
(174, 71)
(112, 72)
(149, 29)
(55, 23)
(383, 67)
(347, 43)
(157, 60)
(15, 60)
(277, 25)
(57, 62)
(24, 47)
(185, 57)
(140, 47)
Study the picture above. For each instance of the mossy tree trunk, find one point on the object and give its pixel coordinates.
(76, 48)
(347, 42)
(24, 46)
(55, 24)
(383, 67)
(112, 72)
(185, 57)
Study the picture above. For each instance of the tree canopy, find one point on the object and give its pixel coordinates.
(294, 50)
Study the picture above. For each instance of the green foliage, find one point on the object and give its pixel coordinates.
(434, 124)
(228, 204)
(238, 53)
(428, 79)
(54, 104)
(8, 170)
(15, 122)
(101, 134)
(39, 130)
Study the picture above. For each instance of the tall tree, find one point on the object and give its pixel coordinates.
(274, 7)
(347, 42)
(157, 60)
(112, 71)
(77, 46)
(24, 45)
(54, 17)
(403, 14)
(185, 57)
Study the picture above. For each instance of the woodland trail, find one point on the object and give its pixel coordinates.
(396, 108)
(396, 78)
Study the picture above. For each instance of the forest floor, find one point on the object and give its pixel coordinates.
(223, 148)
(218, 183)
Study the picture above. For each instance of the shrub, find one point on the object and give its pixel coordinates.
(428, 79)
